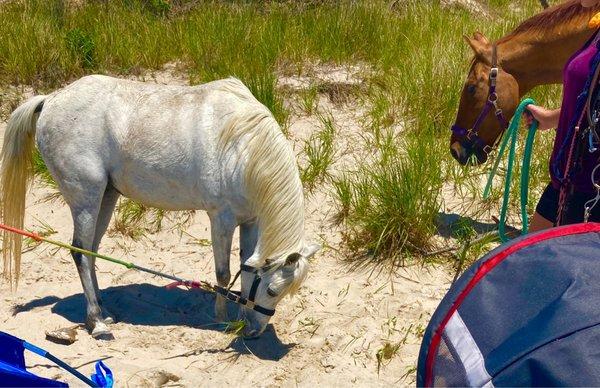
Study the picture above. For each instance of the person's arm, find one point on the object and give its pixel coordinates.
(548, 118)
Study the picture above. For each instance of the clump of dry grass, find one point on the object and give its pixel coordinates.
(134, 219)
(10, 99)
(44, 230)
(340, 92)
(386, 353)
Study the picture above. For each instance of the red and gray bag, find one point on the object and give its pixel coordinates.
(526, 314)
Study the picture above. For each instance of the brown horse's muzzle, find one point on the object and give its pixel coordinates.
(463, 149)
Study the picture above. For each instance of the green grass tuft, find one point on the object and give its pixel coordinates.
(235, 327)
(320, 153)
(82, 46)
(41, 171)
(389, 205)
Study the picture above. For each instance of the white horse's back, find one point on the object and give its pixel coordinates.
(158, 144)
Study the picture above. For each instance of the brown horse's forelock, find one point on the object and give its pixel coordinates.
(555, 17)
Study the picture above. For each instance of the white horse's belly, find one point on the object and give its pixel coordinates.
(165, 189)
(168, 160)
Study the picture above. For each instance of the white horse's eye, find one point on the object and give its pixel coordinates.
(272, 293)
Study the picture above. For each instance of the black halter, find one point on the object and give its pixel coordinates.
(472, 135)
(236, 296)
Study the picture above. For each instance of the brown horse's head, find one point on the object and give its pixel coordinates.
(473, 100)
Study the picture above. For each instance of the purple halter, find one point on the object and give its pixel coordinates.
(492, 102)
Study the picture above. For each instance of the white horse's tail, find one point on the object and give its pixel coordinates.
(15, 175)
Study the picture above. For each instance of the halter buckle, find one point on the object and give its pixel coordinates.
(470, 134)
(493, 73)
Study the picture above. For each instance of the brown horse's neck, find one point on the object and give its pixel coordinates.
(539, 60)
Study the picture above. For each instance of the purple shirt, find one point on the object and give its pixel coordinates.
(575, 75)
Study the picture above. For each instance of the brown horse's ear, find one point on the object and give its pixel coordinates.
(478, 36)
(482, 50)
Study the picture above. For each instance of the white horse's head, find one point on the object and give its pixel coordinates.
(278, 278)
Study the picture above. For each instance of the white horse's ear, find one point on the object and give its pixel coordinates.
(310, 250)
(253, 260)
(293, 258)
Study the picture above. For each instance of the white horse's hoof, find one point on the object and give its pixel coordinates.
(109, 320)
(102, 332)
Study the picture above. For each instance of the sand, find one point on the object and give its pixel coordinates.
(329, 333)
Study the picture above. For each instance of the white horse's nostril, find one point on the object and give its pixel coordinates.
(251, 334)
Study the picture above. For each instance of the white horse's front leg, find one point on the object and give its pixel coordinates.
(222, 226)
(248, 239)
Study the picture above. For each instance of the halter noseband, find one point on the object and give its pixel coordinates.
(492, 102)
(236, 296)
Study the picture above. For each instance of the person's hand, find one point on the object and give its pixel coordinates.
(546, 117)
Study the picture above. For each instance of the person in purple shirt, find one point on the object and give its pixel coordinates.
(575, 74)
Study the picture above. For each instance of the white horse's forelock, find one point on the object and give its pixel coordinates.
(271, 177)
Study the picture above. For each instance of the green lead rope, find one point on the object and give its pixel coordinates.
(511, 136)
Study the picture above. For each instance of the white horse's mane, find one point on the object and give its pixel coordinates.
(271, 175)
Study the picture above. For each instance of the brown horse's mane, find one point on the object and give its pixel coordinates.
(558, 17)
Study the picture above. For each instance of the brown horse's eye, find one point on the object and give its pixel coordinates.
(471, 89)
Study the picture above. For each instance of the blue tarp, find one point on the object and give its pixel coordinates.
(14, 374)
(12, 366)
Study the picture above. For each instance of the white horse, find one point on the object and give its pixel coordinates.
(211, 147)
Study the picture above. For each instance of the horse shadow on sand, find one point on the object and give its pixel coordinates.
(446, 223)
(146, 304)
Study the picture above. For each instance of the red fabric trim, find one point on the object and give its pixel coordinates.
(487, 267)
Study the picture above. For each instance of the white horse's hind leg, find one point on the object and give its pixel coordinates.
(222, 226)
(109, 200)
(84, 198)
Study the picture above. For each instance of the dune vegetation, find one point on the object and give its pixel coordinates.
(389, 203)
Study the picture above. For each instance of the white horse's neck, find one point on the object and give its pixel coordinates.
(270, 177)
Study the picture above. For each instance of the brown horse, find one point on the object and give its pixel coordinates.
(533, 54)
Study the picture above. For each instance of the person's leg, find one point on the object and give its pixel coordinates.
(546, 210)
(538, 222)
